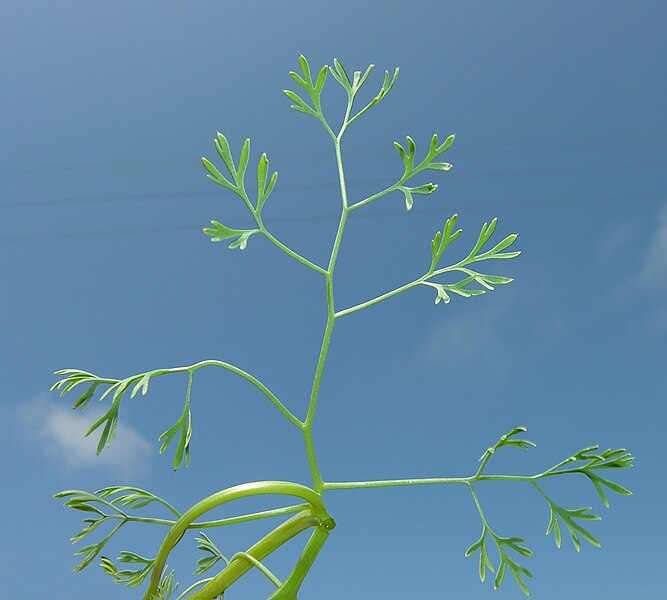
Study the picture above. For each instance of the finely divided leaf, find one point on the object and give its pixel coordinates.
(220, 232)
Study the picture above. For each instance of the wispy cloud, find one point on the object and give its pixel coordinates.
(60, 432)
(472, 338)
(654, 269)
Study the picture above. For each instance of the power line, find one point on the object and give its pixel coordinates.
(320, 185)
(32, 170)
(329, 217)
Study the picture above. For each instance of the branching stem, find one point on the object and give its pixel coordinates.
(247, 376)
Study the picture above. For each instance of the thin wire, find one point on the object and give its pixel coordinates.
(368, 152)
(383, 214)
(321, 185)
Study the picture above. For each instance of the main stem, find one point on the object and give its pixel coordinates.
(318, 482)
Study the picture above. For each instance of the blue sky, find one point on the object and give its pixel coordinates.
(559, 111)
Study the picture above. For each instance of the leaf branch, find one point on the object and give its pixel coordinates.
(265, 184)
(439, 244)
(503, 546)
(118, 387)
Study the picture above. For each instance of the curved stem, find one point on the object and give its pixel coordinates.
(259, 566)
(289, 589)
(240, 491)
(264, 514)
(247, 376)
(268, 544)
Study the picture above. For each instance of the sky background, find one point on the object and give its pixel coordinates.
(559, 111)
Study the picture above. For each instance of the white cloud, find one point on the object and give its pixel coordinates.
(60, 432)
(472, 338)
(654, 269)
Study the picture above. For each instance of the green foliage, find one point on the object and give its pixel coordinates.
(240, 237)
(211, 554)
(503, 545)
(110, 508)
(441, 242)
(129, 577)
(117, 389)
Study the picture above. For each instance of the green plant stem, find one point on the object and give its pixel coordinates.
(350, 485)
(479, 506)
(222, 497)
(328, 330)
(236, 568)
(247, 376)
(423, 280)
(259, 566)
(403, 288)
(284, 248)
(392, 188)
(264, 514)
(289, 590)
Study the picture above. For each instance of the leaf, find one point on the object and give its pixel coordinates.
(222, 148)
(220, 232)
(206, 562)
(129, 577)
(243, 161)
(300, 104)
(505, 561)
(598, 482)
(110, 421)
(86, 397)
(166, 587)
(142, 385)
(488, 280)
(215, 175)
(299, 80)
(91, 526)
(484, 562)
(575, 530)
(305, 68)
(321, 78)
(264, 190)
(408, 157)
(340, 75)
(429, 188)
(443, 239)
(182, 427)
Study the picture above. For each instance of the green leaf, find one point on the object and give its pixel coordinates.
(598, 482)
(299, 80)
(220, 232)
(110, 420)
(505, 562)
(340, 75)
(321, 78)
(182, 427)
(128, 577)
(166, 587)
(264, 190)
(222, 148)
(443, 239)
(429, 188)
(215, 175)
(243, 162)
(142, 385)
(300, 104)
(214, 555)
(305, 68)
(86, 397)
(569, 516)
